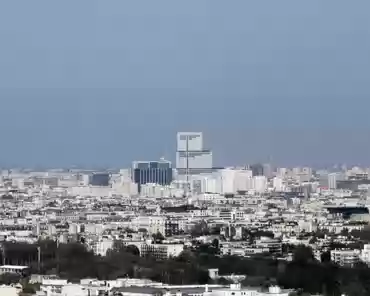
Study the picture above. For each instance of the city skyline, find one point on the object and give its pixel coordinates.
(185, 148)
(173, 157)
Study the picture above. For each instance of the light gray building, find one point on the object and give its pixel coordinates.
(191, 154)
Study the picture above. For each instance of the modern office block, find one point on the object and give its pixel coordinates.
(191, 154)
(157, 172)
(99, 179)
(257, 169)
(194, 159)
(192, 141)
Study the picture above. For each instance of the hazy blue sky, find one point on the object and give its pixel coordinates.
(108, 82)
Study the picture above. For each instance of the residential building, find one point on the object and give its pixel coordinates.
(260, 184)
(273, 245)
(365, 254)
(345, 257)
(161, 251)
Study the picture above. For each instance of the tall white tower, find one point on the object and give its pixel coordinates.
(192, 141)
(191, 154)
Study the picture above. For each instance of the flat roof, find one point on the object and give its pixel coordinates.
(13, 267)
(156, 290)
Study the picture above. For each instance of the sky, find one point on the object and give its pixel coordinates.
(103, 83)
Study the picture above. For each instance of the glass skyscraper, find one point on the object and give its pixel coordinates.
(157, 172)
(99, 179)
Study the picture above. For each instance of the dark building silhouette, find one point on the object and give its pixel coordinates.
(347, 212)
(257, 169)
(157, 172)
(351, 184)
(99, 179)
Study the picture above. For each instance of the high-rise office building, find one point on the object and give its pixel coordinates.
(260, 183)
(191, 155)
(157, 172)
(277, 184)
(333, 178)
(192, 141)
(332, 181)
(234, 180)
(323, 178)
(267, 170)
(257, 169)
(99, 179)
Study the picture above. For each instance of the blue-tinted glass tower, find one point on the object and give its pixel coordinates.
(99, 179)
(157, 172)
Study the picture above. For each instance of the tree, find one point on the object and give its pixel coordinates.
(313, 240)
(76, 262)
(304, 273)
(224, 282)
(216, 243)
(363, 234)
(9, 278)
(7, 197)
(132, 250)
(344, 232)
(215, 230)
(200, 229)
(262, 233)
(129, 230)
(320, 233)
(303, 255)
(158, 237)
(355, 289)
(30, 289)
(186, 256)
(118, 246)
(325, 257)
(207, 249)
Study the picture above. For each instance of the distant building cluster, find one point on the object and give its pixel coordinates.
(159, 210)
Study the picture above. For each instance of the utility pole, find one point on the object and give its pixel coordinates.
(187, 167)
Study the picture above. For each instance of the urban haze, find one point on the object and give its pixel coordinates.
(91, 83)
(184, 148)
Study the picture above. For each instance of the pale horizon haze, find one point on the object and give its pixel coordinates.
(104, 83)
